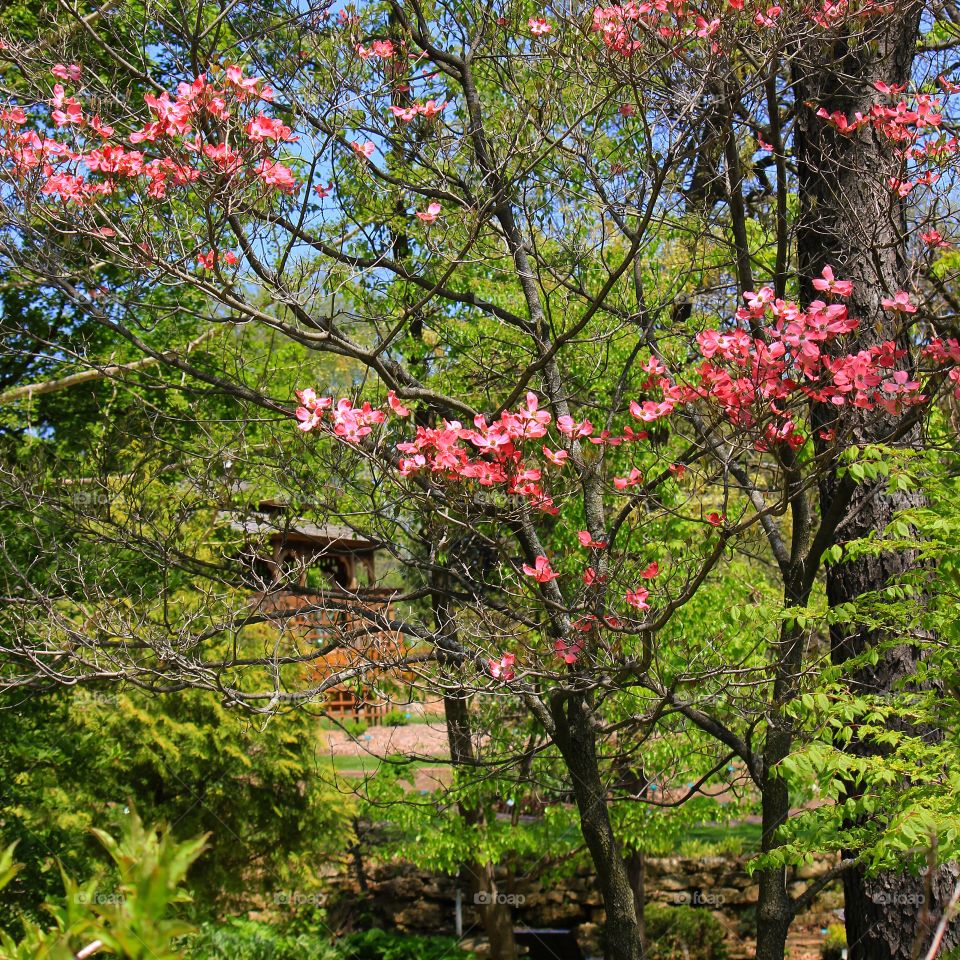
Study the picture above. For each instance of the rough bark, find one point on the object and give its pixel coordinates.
(851, 220)
(632, 780)
(495, 915)
(575, 737)
(636, 871)
(775, 906)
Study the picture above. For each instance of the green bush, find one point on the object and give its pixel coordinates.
(683, 933)
(835, 943)
(353, 728)
(396, 718)
(730, 846)
(133, 914)
(166, 753)
(385, 945)
(242, 939)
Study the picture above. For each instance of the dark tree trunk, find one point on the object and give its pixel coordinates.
(633, 781)
(494, 913)
(637, 871)
(852, 220)
(775, 906)
(356, 855)
(575, 737)
(895, 914)
(496, 917)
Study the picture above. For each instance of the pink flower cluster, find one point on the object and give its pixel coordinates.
(753, 379)
(180, 129)
(262, 127)
(502, 669)
(946, 353)
(900, 122)
(384, 49)
(541, 571)
(616, 25)
(904, 123)
(489, 454)
(429, 110)
(350, 423)
(626, 27)
(208, 260)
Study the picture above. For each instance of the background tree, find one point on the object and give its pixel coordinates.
(592, 205)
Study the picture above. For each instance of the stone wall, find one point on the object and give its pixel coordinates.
(399, 896)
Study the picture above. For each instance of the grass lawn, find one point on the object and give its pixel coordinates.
(365, 763)
(747, 833)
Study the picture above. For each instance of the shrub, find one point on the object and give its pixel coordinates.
(132, 915)
(387, 945)
(396, 718)
(730, 846)
(175, 749)
(242, 939)
(683, 933)
(353, 728)
(835, 943)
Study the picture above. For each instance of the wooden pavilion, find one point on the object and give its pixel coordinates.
(317, 580)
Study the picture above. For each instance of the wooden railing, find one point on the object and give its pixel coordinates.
(322, 624)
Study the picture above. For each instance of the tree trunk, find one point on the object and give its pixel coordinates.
(850, 219)
(633, 780)
(636, 871)
(495, 915)
(887, 915)
(575, 737)
(775, 906)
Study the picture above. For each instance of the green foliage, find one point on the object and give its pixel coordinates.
(890, 788)
(243, 939)
(353, 728)
(9, 868)
(835, 942)
(731, 846)
(683, 933)
(396, 718)
(246, 939)
(384, 945)
(251, 787)
(133, 918)
(425, 829)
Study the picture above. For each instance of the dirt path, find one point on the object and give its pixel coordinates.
(414, 740)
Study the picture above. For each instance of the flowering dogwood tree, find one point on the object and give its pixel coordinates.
(607, 281)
